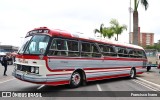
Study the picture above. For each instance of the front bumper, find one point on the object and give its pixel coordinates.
(29, 77)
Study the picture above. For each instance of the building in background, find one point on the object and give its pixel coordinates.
(8, 49)
(144, 38)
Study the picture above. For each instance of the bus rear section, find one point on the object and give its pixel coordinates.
(58, 58)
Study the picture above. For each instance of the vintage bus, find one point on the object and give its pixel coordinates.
(55, 57)
(152, 57)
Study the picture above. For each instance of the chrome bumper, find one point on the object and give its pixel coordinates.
(29, 77)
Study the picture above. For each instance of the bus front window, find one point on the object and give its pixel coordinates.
(26, 41)
(37, 44)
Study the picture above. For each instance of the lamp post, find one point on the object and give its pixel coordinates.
(130, 12)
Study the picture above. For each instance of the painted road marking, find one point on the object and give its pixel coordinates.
(40, 87)
(146, 85)
(99, 88)
(149, 82)
(7, 80)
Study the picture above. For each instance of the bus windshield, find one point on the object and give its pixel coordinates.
(26, 41)
(36, 45)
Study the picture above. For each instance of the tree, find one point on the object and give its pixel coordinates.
(99, 30)
(105, 31)
(135, 19)
(155, 46)
(108, 32)
(117, 28)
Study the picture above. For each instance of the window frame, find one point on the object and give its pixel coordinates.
(112, 54)
(91, 54)
(123, 54)
(67, 51)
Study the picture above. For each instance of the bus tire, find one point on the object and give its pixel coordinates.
(75, 80)
(133, 73)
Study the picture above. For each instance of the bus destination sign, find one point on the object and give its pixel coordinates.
(37, 31)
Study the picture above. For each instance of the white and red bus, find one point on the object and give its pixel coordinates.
(54, 57)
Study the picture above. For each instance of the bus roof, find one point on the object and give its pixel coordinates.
(81, 36)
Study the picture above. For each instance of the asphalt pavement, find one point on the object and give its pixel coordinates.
(153, 75)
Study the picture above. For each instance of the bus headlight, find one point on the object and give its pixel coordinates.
(15, 67)
(36, 70)
(32, 69)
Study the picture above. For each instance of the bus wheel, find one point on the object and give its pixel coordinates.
(132, 73)
(76, 80)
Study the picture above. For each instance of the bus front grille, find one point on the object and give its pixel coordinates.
(24, 68)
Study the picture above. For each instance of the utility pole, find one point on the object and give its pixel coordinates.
(130, 13)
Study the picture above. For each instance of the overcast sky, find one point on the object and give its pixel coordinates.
(17, 17)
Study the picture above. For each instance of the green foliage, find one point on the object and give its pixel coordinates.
(104, 31)
(99, 30)
(117, 28)
(143, 2)
(156, 46)
(109, 32)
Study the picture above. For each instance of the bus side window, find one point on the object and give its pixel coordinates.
(107, 50)
(140, 54)
(122, 52)
(95, 51)
(126, 53)
(131, 53)
(53, 45)
(86, 49)
(143, 54)
(58, 48)
(73, 48)
(137, 53)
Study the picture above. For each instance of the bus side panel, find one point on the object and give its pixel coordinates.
(94, 67)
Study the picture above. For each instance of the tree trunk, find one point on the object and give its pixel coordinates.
(117, 37)
(135, 28)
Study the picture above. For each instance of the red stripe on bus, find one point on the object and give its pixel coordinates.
(86, 69)
(81, 58)
(139, 72)
(27, 57)
(104, 58)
